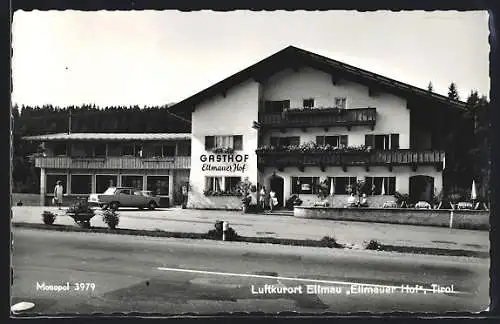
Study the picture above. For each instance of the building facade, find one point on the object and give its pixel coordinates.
(297, 120)
(91, 162)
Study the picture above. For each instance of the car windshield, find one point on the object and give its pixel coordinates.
(110, 191)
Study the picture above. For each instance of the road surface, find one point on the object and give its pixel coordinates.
(120, 273)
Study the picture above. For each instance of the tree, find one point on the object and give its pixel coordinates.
(452, 92)
(430, 87)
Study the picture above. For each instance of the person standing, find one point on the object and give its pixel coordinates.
(262, 198)
(273, 201)
(58, 194)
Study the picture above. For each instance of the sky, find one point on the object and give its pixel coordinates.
(150, 58)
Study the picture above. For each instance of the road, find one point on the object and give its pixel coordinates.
(173, 276)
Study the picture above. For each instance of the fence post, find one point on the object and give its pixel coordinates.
(451, 218)
(225, 227)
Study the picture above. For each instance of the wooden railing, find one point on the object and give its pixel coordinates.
(373, 158)
(66, 162)
(320, 118)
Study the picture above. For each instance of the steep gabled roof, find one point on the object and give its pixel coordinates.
(293, 57)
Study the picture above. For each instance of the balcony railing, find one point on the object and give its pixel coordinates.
(66, 162)
(318, 117)
(362, 158)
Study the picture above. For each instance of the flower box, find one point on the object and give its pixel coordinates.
(329, 110)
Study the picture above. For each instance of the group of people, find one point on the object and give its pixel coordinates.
(353, 201)
(267, 199)
(262, 199)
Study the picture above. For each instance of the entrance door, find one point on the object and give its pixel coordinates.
(277, 185)
(421, 188)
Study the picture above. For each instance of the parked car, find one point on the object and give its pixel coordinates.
(116, 197)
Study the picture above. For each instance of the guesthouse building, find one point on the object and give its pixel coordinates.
(297, 119)
(91, 162)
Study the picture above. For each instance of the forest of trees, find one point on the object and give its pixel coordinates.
(473, 156)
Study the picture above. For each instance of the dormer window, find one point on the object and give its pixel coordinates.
(340, 102)
(308, 103)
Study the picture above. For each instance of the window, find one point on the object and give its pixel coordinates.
(383, 141)
(238, 142)
(308, 103)
(100, 150)
(125, 192)
(168, 150)
(336, 141)
(128, 149)
(88, 150)
(110, 191)
(156, 151)
(340, 102)
(60, 149)
(103, 182)
(276, 106)
(381, 185)
(81, 184)
(285, 141)
(342, 185)
(305, 185)
(52, 180)
(231, 183)
(132, 181)
(114, 149)
(227, 141)
(77, 150)
(213, 184)
(158, 185)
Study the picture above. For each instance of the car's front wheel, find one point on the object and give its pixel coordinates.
(114, 205)
(152, 205)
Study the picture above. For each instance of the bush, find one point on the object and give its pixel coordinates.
(111, 218)
(48, 217)
(373, 245)
(330, 242)
(216, 233)
(402, 199)
(81, 213)
(292, 201)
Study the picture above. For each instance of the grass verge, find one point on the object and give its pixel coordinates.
(325, 242)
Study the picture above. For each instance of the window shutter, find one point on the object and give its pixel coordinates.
(370, 140)
(320, 140)
(295, 140)
(392, 185)
(238, 142)
(343, 140)
(394, 141)
(369, 185)
(209, 142)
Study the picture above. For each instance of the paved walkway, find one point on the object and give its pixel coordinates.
(200, 221)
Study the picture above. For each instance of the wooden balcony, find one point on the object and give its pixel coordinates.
(66, 162)
(319, 117)
(387, 158)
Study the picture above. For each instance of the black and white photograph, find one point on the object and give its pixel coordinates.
(203, 162)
